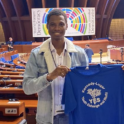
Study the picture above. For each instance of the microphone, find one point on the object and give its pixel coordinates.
(100, 51)
(121, 50)
(5, 86)
(9, 85)
(122, 53)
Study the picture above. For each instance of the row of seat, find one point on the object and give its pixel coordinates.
(2, 49)
(7, 55)
(11, 80)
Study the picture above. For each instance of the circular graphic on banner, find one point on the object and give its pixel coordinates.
(94, 95)
(76, 17)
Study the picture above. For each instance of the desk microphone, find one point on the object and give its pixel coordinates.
(4, 82)
(8, 86)
(100, 52)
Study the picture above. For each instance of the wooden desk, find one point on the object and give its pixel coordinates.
(14, 82)
(12, 69)
(29, 100)
(22, 61)
(10, 90)
(6, 64)
(11, 76)
(31, 104)
(115, 54)
(16, 62)
(9, 118)
(16, 93)
(11, 73)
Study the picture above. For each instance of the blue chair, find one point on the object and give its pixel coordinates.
(20, 67)
(14, 57)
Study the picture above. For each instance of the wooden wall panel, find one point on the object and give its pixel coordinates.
(115, 4)
(17, 30)
(20, 10)
(17, 6)
(28, 34)
(7, 30)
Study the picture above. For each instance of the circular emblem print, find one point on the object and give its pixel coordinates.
(94, 95)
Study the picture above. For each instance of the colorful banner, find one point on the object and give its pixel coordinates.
(81, 21)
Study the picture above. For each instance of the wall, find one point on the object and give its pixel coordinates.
(2, 38)
(116, 31)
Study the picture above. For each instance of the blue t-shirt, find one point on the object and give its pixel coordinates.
(95, 96)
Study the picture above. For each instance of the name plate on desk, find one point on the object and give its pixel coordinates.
(17, 84)
(10, 110)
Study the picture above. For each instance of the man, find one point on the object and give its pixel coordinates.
(10, 44)
(89, 52)
(47, 66)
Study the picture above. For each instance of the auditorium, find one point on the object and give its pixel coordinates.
(61, 61)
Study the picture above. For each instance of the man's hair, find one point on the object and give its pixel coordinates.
(56, 12)
(87, 45)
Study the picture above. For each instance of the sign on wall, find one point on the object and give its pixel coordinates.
(81, 21)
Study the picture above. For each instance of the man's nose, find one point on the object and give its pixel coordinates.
(57, 27)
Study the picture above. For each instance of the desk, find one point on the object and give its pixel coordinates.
(10, 90)
(16, 62)
(115, 54)
(12, 113)
(16, 93)
(94, 44)
(6, 64)
(11, 76)
(12, 69)
(10, 120)
(31, 105)
(11, 73)
(14, 82)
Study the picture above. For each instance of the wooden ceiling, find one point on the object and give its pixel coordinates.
(15, 15)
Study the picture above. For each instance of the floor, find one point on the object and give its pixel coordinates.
(105, 58)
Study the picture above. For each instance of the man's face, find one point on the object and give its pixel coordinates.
(10, 39)
(86, 46)
(57, 26)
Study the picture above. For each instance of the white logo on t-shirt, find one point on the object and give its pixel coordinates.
(94, 95)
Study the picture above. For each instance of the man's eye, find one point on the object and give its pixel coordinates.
(52, 24)
(61, 24)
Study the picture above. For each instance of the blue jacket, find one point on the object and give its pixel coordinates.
(39, 64)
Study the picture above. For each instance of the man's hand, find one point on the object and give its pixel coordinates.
(59, 71)
(122, 67)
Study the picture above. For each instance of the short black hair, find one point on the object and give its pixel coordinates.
(56, 12)
(87, 45)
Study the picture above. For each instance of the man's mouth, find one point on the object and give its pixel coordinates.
(56, 33)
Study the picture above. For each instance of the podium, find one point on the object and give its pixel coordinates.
(12, 112)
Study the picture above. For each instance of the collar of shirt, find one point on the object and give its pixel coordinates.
(52, 48)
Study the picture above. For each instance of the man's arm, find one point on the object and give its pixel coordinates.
(32, 83)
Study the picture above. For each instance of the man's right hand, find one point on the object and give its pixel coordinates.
(59, 71)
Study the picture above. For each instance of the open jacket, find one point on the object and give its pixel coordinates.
(39, 64)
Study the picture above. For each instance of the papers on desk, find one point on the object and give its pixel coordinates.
(13, 102)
